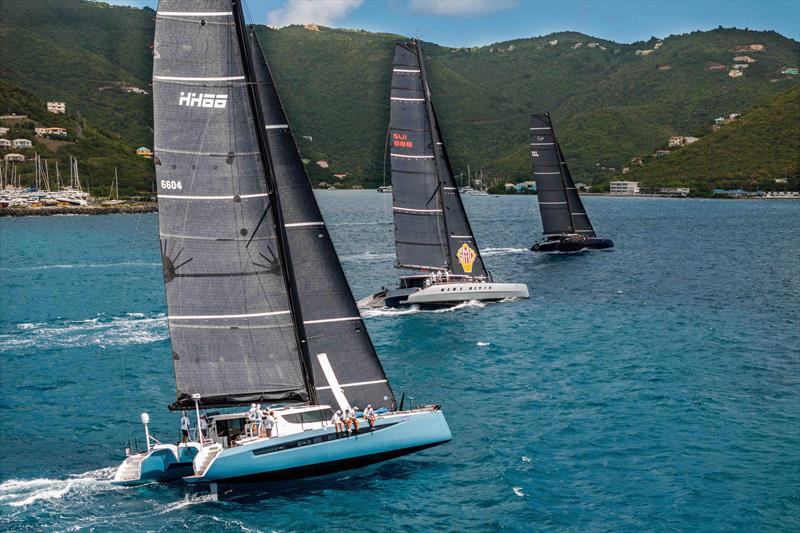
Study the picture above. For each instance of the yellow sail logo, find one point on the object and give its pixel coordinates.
(466, 256)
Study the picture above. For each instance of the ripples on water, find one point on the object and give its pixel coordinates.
(651, 387)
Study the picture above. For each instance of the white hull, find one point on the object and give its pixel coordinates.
(463, 292)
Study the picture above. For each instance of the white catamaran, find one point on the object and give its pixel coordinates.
(432, 233)
(259, 308)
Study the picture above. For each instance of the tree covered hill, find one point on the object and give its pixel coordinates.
(97, 151)
(751, 152)
(609, 103)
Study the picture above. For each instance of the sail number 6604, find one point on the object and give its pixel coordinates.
(169, 184)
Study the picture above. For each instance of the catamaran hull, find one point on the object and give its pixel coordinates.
(162, 464)
(321, 452)
(595, 243)
(445, 295)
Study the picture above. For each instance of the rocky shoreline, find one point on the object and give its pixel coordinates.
(141, 207)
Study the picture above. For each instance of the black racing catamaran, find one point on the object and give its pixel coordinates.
(432, 233)
(259, 307)
(564, 220)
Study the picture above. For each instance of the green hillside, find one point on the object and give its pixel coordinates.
(608, 103)
(97, 151)
(761, 145)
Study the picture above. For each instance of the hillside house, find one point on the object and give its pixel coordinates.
(682, 140)
(5, 144)
(592, 45)
(21, 144)
(311, 26)
(757, 47)
(658, 45)
(323, 164)
(341, 175)
(577, 45)
(741, 66)
(715, 67)
(308, 138)
(553, 42)
(57, 107)
(744, 59)
(3, 131)
(14, 158)
(625, 170)
(791, 71)
(735, 73)
(510, 186)
(13, 116)
(50, 131)
(662, 153)
(636, 161)
(145, 152)
(644, 52)
(132, 89)
(664, 67)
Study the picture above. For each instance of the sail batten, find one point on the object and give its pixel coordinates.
(560, 206)
(431, 225)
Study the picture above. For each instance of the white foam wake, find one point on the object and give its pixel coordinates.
(80, 266)
(188, 500)
(503, 251)
(133, 328)
(24, 492)
(368, 256)
(399, 311)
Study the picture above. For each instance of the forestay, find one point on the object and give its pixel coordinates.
(431, 227)
(559, 204)
(233, 336)
(331, 320)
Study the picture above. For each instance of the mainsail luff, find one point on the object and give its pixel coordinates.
(432, 231)
(465, 257)
(230, 321)
(559, 204)
(332, 322)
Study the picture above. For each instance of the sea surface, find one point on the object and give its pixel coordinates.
(652, 387)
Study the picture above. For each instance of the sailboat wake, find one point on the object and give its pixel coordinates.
(24, 492)
(133, 328)
(378, 312)
(504, 251)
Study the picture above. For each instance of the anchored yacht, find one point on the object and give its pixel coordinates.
(259, 310)
(432, 233)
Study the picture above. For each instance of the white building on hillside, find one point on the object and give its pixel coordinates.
(21, 143)
(57, 107)
(3, 131)
(628, 188)
(14, 158)
(5, 144)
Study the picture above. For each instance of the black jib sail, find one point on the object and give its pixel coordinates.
(432, 232)
(331, 320)
(559, 204)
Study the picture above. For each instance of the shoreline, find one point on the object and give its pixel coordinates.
(141, 207)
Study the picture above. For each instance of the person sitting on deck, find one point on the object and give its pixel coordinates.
(336, 420)
(353, 420)
(369, 414)
(184, 428)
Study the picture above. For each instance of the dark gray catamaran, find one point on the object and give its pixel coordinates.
(259, 309)
(432, 233)
(564, 220)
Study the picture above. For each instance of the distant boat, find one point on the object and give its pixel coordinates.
(385, 188)
(564, 220)
(259, 309)
(432, 233)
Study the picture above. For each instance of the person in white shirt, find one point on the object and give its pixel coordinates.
(258, 420)
(184, 428)
(337, 421)
(251, 418)
(203, 428)
(369, 414)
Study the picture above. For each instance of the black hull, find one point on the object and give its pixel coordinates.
(594, 243)
(321, 469)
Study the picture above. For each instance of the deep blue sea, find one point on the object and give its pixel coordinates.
(652, 387)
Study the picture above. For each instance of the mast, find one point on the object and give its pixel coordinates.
(276, 211)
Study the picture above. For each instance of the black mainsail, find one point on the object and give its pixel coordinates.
(254, 287)
(559, 204)
(432, 232)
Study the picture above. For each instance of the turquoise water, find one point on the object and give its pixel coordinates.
(655, 386)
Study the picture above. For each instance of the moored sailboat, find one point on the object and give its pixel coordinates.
(432, 233)
(565, 224)
(259, 309)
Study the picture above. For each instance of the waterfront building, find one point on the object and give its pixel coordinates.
(627, 188)
(145, 152)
